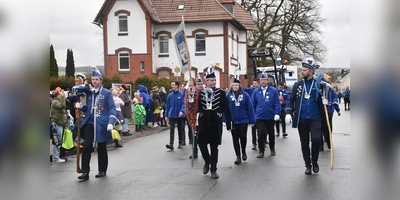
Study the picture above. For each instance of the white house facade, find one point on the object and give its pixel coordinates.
(138, 37)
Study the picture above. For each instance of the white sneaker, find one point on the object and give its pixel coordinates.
(155, 125)
(60, 160)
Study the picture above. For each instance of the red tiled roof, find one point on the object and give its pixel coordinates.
(166, 11)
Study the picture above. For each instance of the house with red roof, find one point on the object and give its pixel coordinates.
(138, 38)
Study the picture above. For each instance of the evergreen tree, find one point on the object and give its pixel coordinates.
(70, 68)
(53, 63)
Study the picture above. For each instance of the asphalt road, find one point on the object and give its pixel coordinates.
(145, 169)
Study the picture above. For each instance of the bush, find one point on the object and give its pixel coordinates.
(150, 82)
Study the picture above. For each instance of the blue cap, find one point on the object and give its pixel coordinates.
(198, 79)
(96, 72)
(264, 75)
(210, 72)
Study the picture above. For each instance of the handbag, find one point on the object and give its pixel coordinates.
(67, 141)
(115, 135)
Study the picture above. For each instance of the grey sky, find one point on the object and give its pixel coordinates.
(71, 27)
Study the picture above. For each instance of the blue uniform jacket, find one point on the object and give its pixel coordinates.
(266, 107)
(332, 107)
(175, 104)
(243, 114)
(285, 98)
(293, 106)
(346, 94)
(106, 107)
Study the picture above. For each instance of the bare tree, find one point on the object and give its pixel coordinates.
(292, 27)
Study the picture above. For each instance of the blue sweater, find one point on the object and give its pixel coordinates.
(243, 114)
(266, 107)
(175, 104)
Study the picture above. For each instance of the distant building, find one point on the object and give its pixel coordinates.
(345, 81)
(137, 37)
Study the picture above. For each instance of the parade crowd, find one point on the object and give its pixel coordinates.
(104, 115)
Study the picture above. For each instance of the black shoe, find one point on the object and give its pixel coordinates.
(118, 146)
(84, 176)
(183, 144)
(206, 168)
(254, 147)
(244, 156)
(129, 131)
(315, 167)
(100, 174)
(260, 155)
(273, 153)
(214, 175)
(284, 134)
(238, 160)
(308, 170)
(180, 146)
(126, 134)
(266, 142)
(190, 142)
(195, 156)
(169, 146)
(277, 134)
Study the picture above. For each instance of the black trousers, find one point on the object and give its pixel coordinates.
(210, 159)
(254, 134)
(325, 131)
(264, 128)
(102, 156)
(281, 121)
(239, 137)
(347, 103)
(305, 127)
(190, 131)
(195, 142)
(180, 124)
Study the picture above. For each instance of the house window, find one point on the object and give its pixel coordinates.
(200, 42)
(163, 40)
(232, 46)
(123, 64)
(237, 46)
(142, 66)
(123, 25)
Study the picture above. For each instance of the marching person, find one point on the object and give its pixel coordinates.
(306, 104)
(212, 106)
(99, 119)
(283, 97)
(175, 114)
(242, 111)
(199, 87)
(346, 96)
(250, 90)
(267, 108)
(126, 109)
(325, 131)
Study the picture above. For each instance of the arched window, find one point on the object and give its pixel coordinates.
(200, 42)
(123, 24)
(123, 61)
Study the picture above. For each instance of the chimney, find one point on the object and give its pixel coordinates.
(229, 5)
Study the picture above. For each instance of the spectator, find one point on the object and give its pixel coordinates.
(126, 109)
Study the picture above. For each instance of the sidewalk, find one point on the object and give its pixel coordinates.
(148, 131)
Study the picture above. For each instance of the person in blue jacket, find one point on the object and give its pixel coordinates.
(334, 105)
(175, 113)
(242, 112)
(267, 108)
(283, 98)
(100, 117)
(306, 105)
(147, 102)
(346, 96)
(250, 90)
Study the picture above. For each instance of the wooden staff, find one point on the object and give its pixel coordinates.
(329, 128)
(78, 148)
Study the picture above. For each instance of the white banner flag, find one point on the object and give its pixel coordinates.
(182, 47)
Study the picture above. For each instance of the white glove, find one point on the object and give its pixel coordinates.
(288, 119)
(109, 127)
(78, 105)
(276, 118)
(325, 101)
